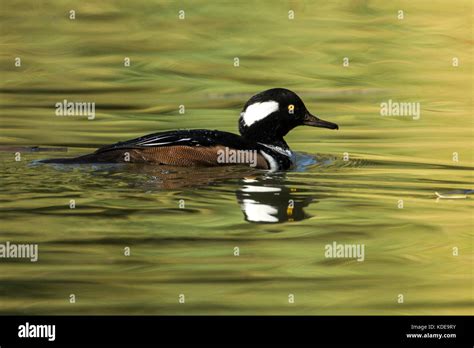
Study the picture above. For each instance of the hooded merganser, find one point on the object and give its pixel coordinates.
(265, 119)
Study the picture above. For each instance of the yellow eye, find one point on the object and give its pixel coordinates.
(291, 108)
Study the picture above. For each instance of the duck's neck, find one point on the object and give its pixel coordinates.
(277, 153)
(276, 142)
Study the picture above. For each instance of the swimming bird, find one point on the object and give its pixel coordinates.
(264, 121)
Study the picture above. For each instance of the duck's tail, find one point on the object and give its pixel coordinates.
(101, 156)
(90, 158)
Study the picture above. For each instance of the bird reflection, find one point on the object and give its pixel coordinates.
(269, 200)
(263, 197)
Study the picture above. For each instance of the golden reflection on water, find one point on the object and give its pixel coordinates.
(347, 187)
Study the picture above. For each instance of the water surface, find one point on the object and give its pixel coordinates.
(183, 225)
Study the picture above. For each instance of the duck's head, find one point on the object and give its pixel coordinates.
(268, 116)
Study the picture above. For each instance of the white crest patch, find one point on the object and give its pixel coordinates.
(258, 111)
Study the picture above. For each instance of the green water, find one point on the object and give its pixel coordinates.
(182, 225)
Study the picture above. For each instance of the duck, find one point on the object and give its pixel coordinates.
(265, 120)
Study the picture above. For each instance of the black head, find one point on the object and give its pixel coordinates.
(271, 114)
